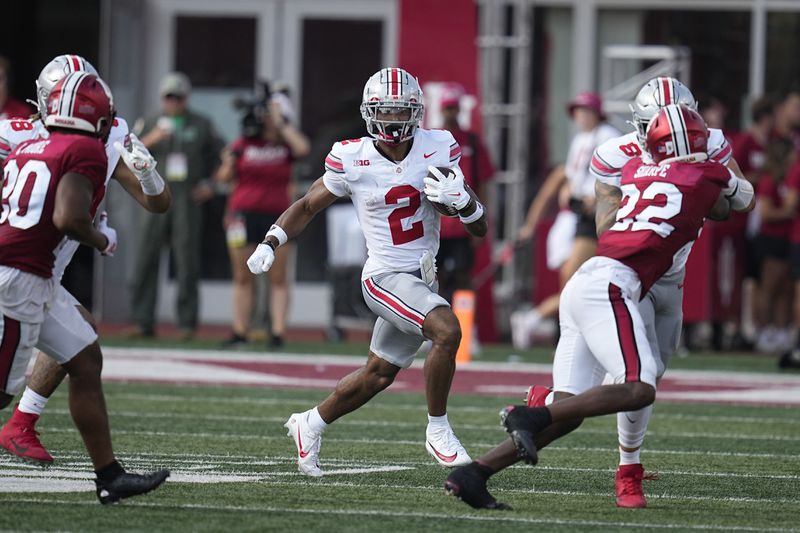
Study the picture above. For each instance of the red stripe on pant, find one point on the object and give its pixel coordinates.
(625, 334)
(396, 306)
(8, 348)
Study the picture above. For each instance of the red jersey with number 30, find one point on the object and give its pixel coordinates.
(28, 237)
(662, 210)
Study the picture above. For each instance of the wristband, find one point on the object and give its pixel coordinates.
(269, 243)
(475, 216)
(277, 232)
(152, 183)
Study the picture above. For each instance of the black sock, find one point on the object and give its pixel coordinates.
(109, 472)
(484, 470)
(540, 417)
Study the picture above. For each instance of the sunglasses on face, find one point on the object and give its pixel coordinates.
(176, 97)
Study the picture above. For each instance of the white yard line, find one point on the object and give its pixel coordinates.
(467, 515)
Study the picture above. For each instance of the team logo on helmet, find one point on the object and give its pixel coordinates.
(677, 133)
(83, 102)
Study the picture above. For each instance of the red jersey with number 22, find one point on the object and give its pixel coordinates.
(662, 210)
(28, 237)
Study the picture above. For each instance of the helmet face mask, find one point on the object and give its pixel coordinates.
(653, 96)
(53, 72)
(392, 105)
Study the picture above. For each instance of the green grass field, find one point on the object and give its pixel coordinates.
(721, 468)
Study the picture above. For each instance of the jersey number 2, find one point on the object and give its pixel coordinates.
(24, 192)
(416, 230)
(642, 221)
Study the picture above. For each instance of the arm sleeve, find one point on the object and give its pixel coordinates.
(603, 171)
(719, 149)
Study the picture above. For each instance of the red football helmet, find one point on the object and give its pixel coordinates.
(81, 101)
(676, 132)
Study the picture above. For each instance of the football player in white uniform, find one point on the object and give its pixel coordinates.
(68, 328)
(662, 308)
(385, 177)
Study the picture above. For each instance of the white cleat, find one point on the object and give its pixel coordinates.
(307, 443)
(523, 324)
(445, 447)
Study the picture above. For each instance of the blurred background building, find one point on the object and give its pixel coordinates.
(519, 61)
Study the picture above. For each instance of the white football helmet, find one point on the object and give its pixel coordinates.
(390, 89)
(53, 72)
(654, 95)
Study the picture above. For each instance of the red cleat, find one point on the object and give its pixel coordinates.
(18, 437)
(536, 395)
(629, 486)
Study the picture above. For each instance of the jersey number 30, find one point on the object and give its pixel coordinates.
(641, 219)
(24, 192)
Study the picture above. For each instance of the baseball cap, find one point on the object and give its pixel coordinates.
(451, 93)
(588, 100)
(176, 83)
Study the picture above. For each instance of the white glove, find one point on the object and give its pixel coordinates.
(262, 259)
(110, 233)
(142, 163)
(448, 190)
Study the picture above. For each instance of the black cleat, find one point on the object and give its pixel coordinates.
(126, 485)
(468, 484)
(790, 359)
(522, 430)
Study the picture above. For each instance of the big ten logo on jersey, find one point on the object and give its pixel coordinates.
(361, 162)
(630, 149)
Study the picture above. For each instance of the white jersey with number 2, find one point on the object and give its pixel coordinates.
(398, 221)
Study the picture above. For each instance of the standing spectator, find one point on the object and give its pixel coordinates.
(787, 118)
(749, 147)
(10, 107)
(749, 152)
(186, 146)
(456, 255)
(775, 290)
(260, 164)
(573, 238)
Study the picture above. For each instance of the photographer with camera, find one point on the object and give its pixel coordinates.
(573, 237)
(259, 163)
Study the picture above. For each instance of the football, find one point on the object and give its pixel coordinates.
(444, 210)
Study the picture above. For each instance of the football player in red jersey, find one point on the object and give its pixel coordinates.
(68, 327)
(51, 190)
(602, 331)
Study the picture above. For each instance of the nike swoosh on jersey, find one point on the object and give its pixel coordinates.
(426, 156)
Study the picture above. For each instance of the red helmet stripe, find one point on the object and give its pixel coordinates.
(76, 65)
(395, 83)
(666, 89)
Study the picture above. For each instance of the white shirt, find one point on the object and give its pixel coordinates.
(579, 157)
(14, 132)
(398, 221)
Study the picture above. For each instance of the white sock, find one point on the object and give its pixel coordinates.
(629, 458)
(435, 422)
(631, 428)
(315, 422)
(32, 402)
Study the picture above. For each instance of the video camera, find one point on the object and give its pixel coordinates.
(253, 109)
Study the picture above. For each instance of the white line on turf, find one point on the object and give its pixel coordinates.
(467, 515)
(397, 424)
(239, 436)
